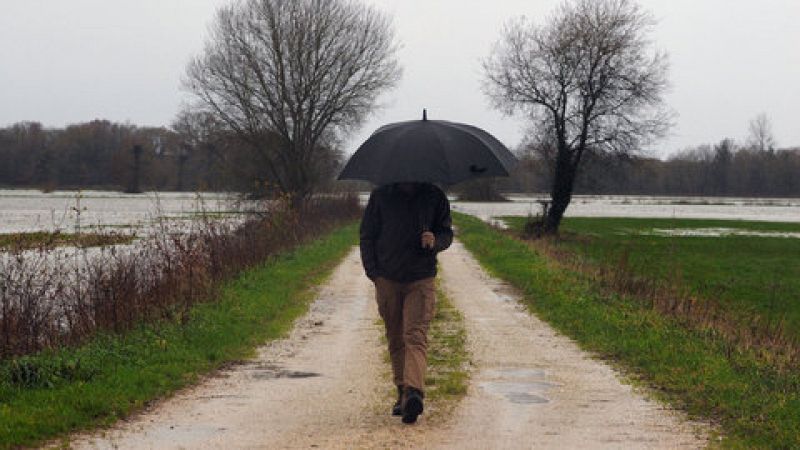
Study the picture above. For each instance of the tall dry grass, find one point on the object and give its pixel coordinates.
(60, 297)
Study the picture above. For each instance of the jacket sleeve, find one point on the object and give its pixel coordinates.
(370, 228)
(442, 225)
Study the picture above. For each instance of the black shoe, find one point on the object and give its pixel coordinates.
(413, 405)
(397, 409)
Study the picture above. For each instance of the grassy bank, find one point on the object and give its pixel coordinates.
(53, 393)
(752, 276)
(45, 240)
(755, 403)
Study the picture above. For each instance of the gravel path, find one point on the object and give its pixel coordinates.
(534, 388)
(317, 387)
(326, 386)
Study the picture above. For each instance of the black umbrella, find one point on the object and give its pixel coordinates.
(432, 151)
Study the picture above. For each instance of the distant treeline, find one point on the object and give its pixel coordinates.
(194, 154)
(724, 169)
(103, 154)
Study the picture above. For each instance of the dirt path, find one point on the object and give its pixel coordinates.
(533, 388)
(317, 388)
(326, 386)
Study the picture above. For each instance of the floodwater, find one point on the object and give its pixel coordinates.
(718, 232)
(31, 210)
(763, 209)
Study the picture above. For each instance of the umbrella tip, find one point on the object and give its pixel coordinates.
(424, 114)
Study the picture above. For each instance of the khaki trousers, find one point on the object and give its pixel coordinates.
(407, 310)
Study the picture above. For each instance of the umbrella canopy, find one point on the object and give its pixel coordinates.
(432, 151)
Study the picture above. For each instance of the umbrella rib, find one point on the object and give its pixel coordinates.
(443, 153)
(397, 139)
(484, 147)
(480, 135)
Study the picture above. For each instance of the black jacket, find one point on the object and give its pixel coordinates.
(391, 232)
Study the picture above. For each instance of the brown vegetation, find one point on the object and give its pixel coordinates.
(43, 239)
(51, 298)
(766, 336)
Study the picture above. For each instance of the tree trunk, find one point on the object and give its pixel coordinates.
(561, 193)
(135, 187)
(181, 163)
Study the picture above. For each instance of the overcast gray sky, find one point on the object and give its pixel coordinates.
(67, 61)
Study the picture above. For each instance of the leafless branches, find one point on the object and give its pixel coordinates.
(587, 78)
(761, 138)
(290, 76)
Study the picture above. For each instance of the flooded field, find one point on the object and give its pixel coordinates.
(763, 209)
(31, 210)
(717, 232)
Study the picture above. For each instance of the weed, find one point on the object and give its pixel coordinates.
(15, 242)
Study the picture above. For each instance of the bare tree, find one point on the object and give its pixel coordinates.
(588, 78)
(290, 77)
(761, 138)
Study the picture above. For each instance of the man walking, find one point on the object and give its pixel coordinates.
(404, 226)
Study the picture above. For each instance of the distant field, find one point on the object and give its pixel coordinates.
(651, 207)
(747, 274)
(25, 211)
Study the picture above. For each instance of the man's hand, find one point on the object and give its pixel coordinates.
(428, 240)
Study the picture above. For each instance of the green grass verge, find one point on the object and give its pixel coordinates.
(447, 376)
(54, 393)
(748, 275)
(756, 405)
(27, 241)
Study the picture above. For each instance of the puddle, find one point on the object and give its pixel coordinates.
(495, 222)
(271, 375)
(270, 372)
(518, 385)
(523, 398)
(519, 393)
(505, 298)
(516, 373)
